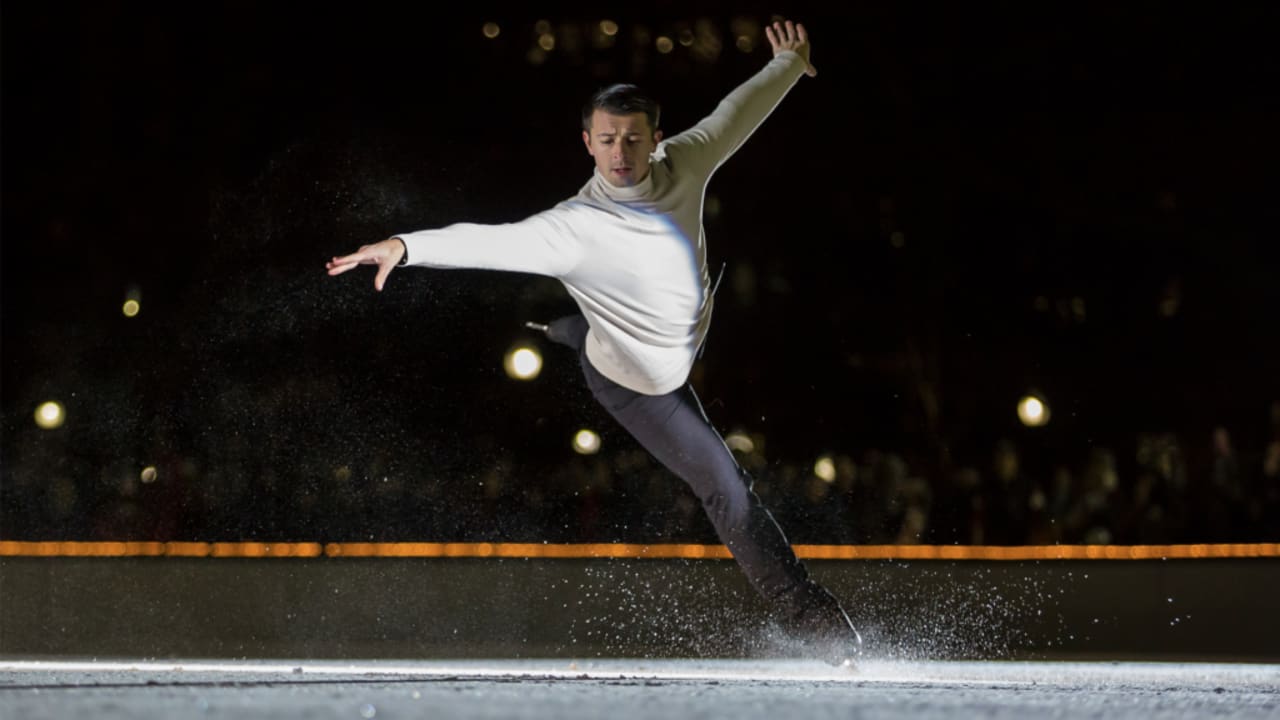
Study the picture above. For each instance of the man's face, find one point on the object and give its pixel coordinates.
(621, 145)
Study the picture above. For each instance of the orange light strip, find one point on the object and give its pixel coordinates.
(526, 550)
(1037, 552)
(13, 548)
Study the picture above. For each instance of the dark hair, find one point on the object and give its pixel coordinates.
(621, 99)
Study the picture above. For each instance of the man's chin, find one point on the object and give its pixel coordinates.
(622, 179)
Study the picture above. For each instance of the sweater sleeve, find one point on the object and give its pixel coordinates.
(714, 139)
(544, 244)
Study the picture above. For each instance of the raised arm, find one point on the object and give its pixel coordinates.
(714, 139)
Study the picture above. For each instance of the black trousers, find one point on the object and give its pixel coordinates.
(675, 430)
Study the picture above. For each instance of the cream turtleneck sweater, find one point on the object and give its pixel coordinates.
(634, 258)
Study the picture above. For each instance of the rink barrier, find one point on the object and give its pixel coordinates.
(343, 601)
(16, 548)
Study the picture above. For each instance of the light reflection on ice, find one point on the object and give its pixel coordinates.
(944, 673)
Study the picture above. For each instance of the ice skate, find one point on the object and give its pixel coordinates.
(822, 629)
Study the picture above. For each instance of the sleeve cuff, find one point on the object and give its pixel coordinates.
(793, 57)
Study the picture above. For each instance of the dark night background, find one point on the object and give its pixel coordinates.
(971, 202)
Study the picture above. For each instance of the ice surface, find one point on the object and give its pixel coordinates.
(625, 689)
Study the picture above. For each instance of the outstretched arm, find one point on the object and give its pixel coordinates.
(544, 244)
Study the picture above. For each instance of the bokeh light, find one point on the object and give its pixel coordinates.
(523, 363)
(1078, 309)
(825, 468)
(740, 442)
(586, 442)
(50, 415)
(148, 474)
(609, 27)
(664, 44)
(1033, 411)
(491, 30)
(132, 301)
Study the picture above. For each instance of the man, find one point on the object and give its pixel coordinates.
(629, 248)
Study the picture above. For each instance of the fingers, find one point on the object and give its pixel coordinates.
(337, 268)
(380, 279)
(784, 33)
(386, 264)
(386, 255)
(366, 255)
(363, 256)
(788, 35)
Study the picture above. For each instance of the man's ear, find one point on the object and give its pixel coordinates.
(657, 136)
(586, 140)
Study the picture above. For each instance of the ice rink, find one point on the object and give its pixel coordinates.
(622, 689)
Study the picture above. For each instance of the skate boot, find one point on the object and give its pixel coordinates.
(822, 628)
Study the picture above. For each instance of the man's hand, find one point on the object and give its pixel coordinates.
(790, 36)
(386, 255)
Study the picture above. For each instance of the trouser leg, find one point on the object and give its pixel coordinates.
(676, 431)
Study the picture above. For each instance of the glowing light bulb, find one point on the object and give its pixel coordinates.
(1032, 411)
(523, 363)
(50, 415)
(586, 442)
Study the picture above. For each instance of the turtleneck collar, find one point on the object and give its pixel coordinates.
(639, 191)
